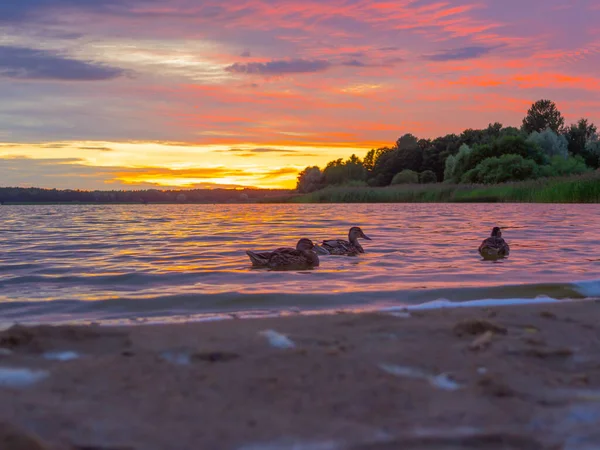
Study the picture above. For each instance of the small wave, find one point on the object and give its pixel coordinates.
(589, 288)
(193, 305)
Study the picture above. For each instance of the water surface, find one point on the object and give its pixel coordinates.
(122, 261)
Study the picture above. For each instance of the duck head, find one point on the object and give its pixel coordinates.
(355, 233)
(305, 245)
(496, 232)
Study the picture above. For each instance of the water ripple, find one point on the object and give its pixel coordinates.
(419, 253)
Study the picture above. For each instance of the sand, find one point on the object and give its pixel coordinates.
(524, 377)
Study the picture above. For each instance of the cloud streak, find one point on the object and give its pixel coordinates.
(280, 67)
(30, 64)
(460, 54)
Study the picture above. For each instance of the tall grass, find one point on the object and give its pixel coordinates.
(580, 189)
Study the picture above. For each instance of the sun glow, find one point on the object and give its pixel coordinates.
(135, 165)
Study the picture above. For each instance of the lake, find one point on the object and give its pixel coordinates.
(180, 262)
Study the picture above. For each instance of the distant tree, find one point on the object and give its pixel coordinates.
(309, 180)
(543, 114)
(342, 172)
(500, 170)
(473, 137)
(449, 169)
(559, 166)
(354, 169)
(579, 134)
(507, 145)
(372, 156)
(510, 131)
(427, 177)
(550, 143)
(406, 177)
(592, 153)
(407, 141)
(409, 154)
(459, 165)
(437, 152)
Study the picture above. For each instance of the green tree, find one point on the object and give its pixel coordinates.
(459, 165)
(559, 166)
(372, 156)
(427, 177)
(406, 177)
(592, 153)
(543, 114)
(437, 152)
(500, 170)
(579, 134)
(449, 169)
(550, 143)
(309, 180)
(506, 145)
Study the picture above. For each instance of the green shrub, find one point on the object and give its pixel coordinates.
(502, 169)
(560, 167)
(406, 177)
(427, 177)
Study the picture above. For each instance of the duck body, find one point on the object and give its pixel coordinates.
(342, 247)
(351, 247)
(285, 258)
(494, 247)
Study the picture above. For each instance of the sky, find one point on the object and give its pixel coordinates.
(137, 94)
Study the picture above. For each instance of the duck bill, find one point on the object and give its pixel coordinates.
(366, 237)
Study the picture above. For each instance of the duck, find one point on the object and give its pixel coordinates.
(285, 258)
(495, 246)
(351, 247)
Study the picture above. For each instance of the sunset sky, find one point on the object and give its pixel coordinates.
(129, 94)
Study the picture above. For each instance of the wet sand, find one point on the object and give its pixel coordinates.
(524, 377)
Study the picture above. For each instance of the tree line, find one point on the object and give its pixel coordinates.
(40, 195)
(542, 147)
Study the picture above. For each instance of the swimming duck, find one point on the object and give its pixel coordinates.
(302, 257)
(351, 247)
(495, 246)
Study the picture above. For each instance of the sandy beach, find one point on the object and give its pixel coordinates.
(524, 377)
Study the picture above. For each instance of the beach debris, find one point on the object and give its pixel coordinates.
(13, 438)
(496, 388)
(42, 338)
(185, 358)
(441, 381)
(61, 356)
(215, 356)
(99, 447)
(177, 357)
(548, 315)
(285, 445)
(482, 341)
(543, 353)
(277, 340)
(473, 327)
(20, 377)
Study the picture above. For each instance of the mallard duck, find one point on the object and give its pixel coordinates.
(351, 247)
(495, 246)
(299, 258)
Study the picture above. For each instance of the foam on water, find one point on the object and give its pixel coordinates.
(61, 356)
(21, 377)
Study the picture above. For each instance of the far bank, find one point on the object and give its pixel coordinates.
(580, 189)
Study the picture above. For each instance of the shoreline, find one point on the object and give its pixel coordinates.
(450, 378)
